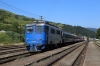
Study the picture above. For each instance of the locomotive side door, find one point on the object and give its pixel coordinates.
(47, 33)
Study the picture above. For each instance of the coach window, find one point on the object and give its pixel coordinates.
(52, 31)
(68, 36)
(58, 32)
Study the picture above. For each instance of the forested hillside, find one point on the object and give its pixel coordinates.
(14, 24)
(92, 29)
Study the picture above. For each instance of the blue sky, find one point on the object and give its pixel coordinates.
(85, 13)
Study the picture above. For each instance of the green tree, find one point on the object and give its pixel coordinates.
(98, 33)
(4, 38)
(21, 29)
(15, 27)
(16, 16)
(3, 15)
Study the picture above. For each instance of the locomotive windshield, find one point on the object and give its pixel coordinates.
(29, 29)
(39, 29)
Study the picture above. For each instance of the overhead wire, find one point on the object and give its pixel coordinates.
(18, 9)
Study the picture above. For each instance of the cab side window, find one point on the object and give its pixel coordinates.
(58, 32)
(46, 28)
(52, 31)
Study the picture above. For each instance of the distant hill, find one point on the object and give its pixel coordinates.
(14, 22)
(92, 29)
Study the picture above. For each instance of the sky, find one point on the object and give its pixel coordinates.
(85, 13)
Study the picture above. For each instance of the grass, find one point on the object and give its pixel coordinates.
(2, 44)
(20, 57)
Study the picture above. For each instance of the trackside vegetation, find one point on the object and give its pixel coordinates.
(98, 33)
(10, 37)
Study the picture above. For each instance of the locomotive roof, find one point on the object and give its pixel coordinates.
(42, 23)
(35, 22)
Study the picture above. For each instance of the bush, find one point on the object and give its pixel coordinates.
(4, 38)
(15, 36)
(10, 37)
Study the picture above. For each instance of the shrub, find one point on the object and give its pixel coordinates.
(4, 38)
(10, 37)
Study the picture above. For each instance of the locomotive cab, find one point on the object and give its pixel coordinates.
(35, 37)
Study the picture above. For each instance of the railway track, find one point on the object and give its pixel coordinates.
(53, 59)
(13, 56)
(10, 53)
(3, 52)
(10, 47)
(47, 58)
(80, 58)
(98, 45)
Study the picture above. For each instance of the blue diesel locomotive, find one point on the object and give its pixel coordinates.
(39, 34)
